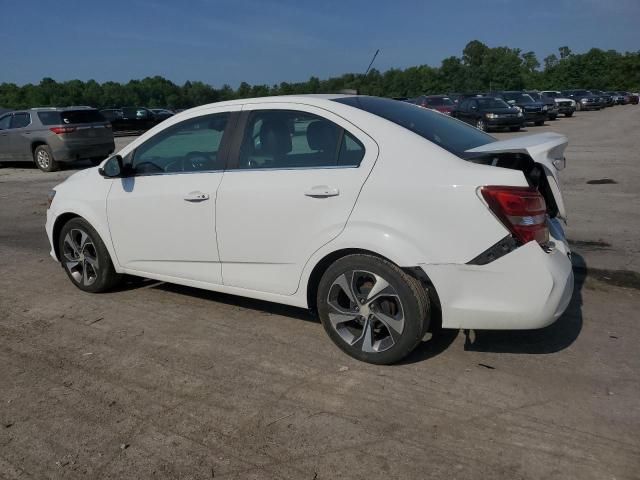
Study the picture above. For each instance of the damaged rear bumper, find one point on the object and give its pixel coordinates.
(525, 289)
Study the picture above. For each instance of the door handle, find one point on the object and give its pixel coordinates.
(196, 196)
(322, 191)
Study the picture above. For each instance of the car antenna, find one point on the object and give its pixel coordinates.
(351, 91)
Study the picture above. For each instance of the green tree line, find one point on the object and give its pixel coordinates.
(479, 68)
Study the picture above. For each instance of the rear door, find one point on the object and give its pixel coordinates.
(295, 174)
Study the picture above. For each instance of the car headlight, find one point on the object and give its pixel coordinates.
(583, 100)
(518, 108)
(50, 196)
(573, 103)
(545, 108)
(491, 115)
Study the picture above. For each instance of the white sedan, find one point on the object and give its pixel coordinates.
(380, 215)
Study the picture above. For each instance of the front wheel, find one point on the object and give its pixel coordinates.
(578, 106)
(371, 309)
(514, 129)
(568, 114)
(480, 125)
(85, 258)
(539, 124)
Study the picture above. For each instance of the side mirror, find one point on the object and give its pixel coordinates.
(114, 167)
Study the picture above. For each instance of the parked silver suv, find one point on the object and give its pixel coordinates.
(48, 136)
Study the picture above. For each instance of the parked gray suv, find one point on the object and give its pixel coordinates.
(48, 136)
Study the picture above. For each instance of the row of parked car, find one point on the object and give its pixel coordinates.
(513, 109)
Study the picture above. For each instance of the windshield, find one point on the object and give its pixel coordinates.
(550, 94)
(446, 132)
(439, 101)
(492, 103)
(535, 96)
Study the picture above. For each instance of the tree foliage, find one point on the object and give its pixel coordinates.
(479, 68)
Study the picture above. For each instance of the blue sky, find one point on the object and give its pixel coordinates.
(269, 41)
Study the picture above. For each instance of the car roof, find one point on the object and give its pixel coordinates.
(311, 99)
(61, 109)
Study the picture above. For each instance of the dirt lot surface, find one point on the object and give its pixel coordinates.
(161, 381)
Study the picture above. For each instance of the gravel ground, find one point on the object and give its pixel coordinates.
(161, 381)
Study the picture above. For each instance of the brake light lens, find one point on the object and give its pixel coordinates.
(61, 130)
(522, 210)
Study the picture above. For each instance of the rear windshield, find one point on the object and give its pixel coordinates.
(444, 131)
(70, 116)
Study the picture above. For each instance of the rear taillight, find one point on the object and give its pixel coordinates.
(60, 130)
(521, 209)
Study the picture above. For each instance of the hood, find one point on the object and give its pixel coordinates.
(546, 149)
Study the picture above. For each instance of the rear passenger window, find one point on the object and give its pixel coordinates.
(5, 122)
(292, 139)
(20, 120)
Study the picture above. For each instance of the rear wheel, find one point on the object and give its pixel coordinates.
(44, 160)
(371, 309)
(85, 258)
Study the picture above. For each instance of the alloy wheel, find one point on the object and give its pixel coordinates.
(43, 159)
(80, 257)
(480, 125)
(366, 311)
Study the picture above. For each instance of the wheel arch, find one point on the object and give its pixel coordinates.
(323, 264)
(61, 220)
(35, 144)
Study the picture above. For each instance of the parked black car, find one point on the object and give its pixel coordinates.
(606, 99)
(584, 99)
(486, 113)
(130, 119)
(552, 106)
(532, 110)
(162, 113)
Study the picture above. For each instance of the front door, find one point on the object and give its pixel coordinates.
(290, 189)
(162, 219)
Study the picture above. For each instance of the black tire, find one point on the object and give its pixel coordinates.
(539, 124)
(514, 129)
(43, 158)
(481, 125)
(404, 296)
(570, 114)
(77, 257)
